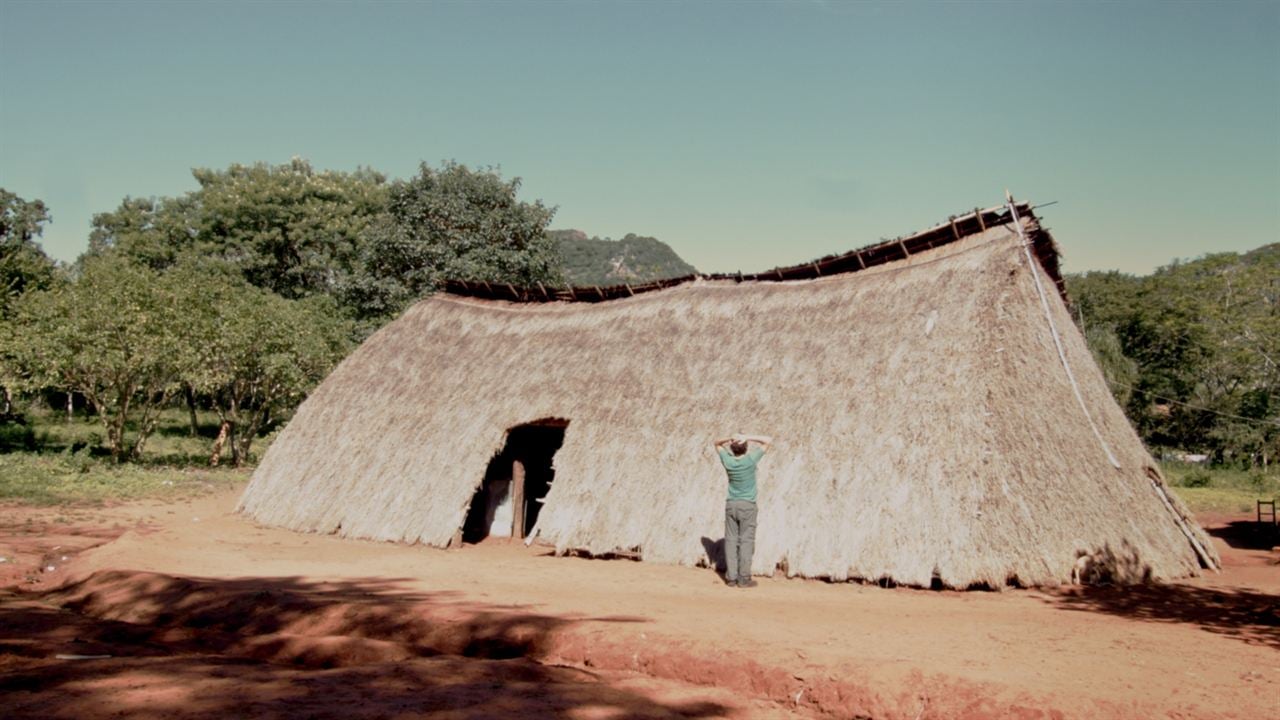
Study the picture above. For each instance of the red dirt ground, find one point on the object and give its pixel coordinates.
(201, 614)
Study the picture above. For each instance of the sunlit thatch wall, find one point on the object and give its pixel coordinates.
(924, 427)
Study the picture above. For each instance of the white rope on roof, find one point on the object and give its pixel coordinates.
(1157, 483)
(1057, 340)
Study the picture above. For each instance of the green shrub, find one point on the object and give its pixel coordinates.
(17, 436)
(81, 460)
(1197, 478)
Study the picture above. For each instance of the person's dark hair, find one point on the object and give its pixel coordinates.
(738, 448)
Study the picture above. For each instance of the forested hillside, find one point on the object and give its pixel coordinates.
(1191, 351)
(633, 259)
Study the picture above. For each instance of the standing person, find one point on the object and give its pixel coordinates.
(739, 461)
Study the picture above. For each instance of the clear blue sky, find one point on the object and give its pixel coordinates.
(745, 135)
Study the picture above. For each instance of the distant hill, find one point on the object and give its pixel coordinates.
(633, 259)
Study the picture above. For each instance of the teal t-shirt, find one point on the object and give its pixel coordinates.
(742, 472)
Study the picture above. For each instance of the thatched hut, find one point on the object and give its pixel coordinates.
(938, 420)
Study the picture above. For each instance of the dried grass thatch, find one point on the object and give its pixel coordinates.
(925, 430)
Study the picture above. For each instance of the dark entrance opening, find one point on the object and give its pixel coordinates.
(516, 482)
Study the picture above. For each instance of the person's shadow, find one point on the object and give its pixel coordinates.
(715, 554)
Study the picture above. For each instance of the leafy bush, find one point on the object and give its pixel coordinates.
(17, 436)
(1197, 478)
(79, 459)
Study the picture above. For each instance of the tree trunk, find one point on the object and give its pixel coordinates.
(138, 444)
(242, 446)
(71, 406)
(8, 403)
(115, 435)
(123, 403)
(223, 431)
(191, 407)
(116, 441)
(257, 420)
(236, 458)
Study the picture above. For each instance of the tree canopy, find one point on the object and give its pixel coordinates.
(242, 293)
(253, 354)
(116, 336)
(372, 246)
(451, 223)
(1192, 350)
(287, 228)
(23, 267)
(23, 263)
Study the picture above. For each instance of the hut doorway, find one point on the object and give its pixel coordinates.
(516, 482)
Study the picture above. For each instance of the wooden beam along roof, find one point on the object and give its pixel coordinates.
(881, 253)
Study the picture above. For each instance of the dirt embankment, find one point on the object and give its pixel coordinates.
(193, 612)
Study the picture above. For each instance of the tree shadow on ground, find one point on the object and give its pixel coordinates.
(1248, 534)
(1246, 615)
(292, 648)
(176, 459)
(207, 430)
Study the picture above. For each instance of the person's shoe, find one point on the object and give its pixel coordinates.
(747, 583)
(731, 582)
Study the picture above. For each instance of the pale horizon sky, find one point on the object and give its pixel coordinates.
(744, 135)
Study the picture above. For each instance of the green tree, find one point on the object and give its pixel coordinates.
(1105, 298)
(287, 228)
(1204, 337)
(1120, 371)
(452, 223)
(153, 232)
(1239, 377)
(255, 354)
(115, 336)
(23, 267)
(290, 229)
(375, 247)
(23, 263)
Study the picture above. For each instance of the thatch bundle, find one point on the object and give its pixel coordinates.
(925, 429)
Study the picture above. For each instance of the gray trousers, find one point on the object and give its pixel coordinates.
(739, 539)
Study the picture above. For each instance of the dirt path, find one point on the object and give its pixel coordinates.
(191, 600)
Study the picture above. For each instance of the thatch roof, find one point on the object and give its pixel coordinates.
(925, 429)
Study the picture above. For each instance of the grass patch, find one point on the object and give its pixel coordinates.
(1221, 489)
(1218, 500)
(78, 478)
(49, 460)
(171, 444)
